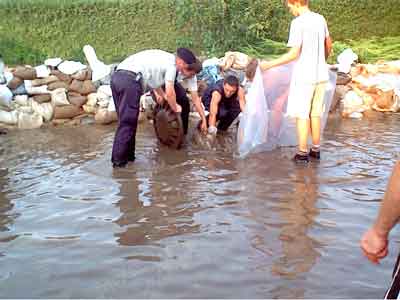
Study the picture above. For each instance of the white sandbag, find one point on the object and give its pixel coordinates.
(5, 96)
(111, 105)
(103, 103)
(59, 97)
(105, 89)
(99, 69)
(44, 109)
(10, 118)
(35, 90)
(29, 120)
(89, 109)
(42, 71)
(92, 99)
(103, 116)
(345, 60)
(70, 67)
(21, 100)
(53, 62)
(8, 76)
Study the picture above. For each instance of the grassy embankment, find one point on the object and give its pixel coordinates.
(33, 30)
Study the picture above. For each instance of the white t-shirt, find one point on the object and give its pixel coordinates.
(157, 68)
(309, 31)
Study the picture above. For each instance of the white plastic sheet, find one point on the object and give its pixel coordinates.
(266, 123)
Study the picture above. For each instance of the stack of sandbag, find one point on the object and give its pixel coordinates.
(102, 103)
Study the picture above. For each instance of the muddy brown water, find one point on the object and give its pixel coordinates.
(192, 223)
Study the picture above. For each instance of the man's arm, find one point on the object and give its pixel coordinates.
(291, 55)
(199, 108)
(215, 99)
(374, 243)
(242, 99)
(328, 46)
(171, 96)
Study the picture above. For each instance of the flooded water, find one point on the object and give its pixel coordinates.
(192, 223)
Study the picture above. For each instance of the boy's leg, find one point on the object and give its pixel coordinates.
(303, 126)
(317, 109)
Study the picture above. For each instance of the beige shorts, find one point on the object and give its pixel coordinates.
(307, 100)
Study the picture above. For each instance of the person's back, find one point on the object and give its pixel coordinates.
(309, 31)
(154, 66)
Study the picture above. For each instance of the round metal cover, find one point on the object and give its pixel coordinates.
(168, 126)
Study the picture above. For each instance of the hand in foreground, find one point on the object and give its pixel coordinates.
(374, 246)
(203, 126)
(177, 108)
(265, 65)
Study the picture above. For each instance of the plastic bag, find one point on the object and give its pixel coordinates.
(274, 121)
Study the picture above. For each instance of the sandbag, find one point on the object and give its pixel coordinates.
(43, 109)
(340, 92)
(103, 116)
(10, 118)
(77, 100)
(89, 109)
(70, 67)
(168, 126)
(15, 82)
(44, 98)
(53, 62)
(343, 78)
(44, 81)
(82, 87)
(63, 77)
(58, 85)
(26, 73)
(83, 75)
(29, 120)
(384, 99)
(236, 60)
(42, 71)
(35, 90)
(59, 97)
(92, 99)
(21, 100)
(5, 96)
(67, 111)
(99, 69)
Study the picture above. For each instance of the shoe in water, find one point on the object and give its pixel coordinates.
(301, 158)
(315, 154)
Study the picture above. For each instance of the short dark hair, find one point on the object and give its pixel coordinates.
(231, 80)
(196, 67)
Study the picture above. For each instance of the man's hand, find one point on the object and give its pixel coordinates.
(159, 98)
(374, 245)
(203, 126)
(177, 108)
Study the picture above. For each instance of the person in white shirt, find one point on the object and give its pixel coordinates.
(310, 44)
(165, 74)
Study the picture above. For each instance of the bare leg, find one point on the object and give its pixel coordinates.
(303, 126)
(316, 130)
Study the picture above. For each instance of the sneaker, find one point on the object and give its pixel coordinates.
(315, 154)
(301, 158)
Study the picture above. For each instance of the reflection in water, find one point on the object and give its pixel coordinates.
(192, 222)
(299, 250)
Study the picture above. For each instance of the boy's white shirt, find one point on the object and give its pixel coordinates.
(309, 31)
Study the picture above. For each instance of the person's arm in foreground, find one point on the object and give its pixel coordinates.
(212, 121)
(197, 103)
(291, 55)
(374, 242)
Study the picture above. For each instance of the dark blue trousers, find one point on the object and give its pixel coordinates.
(126, 91)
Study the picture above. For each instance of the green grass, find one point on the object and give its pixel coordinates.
(368, 50)
(33, 30)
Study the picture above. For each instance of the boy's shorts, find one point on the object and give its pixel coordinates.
(306, 100)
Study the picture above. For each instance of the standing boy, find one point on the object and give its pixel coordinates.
(310, 44)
